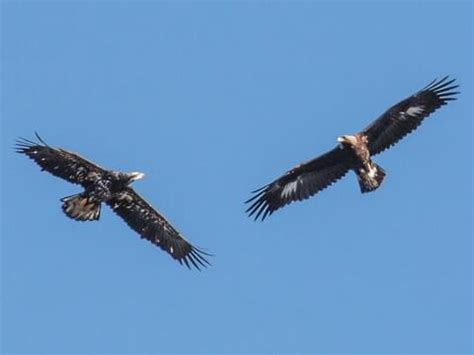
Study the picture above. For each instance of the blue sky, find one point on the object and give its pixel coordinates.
(212, 100)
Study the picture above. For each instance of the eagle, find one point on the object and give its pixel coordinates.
(353, 152)
(112, 188)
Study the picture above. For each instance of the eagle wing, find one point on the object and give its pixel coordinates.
(59, 162)
(151, 225)
(407, 115)
(301, 182)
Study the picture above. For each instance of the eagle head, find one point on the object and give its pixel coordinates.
(134, 176)
(347, 139)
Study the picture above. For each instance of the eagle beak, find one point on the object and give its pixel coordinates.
(136, 176)
(341, 139)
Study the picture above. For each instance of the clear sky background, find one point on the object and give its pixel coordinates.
(212, 100)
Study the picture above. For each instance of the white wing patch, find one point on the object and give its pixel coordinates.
(413, 111)
(289, 189)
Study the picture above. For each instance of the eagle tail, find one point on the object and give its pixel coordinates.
(80, 208)
(370, 177)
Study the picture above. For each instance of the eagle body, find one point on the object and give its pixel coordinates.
(354, 152)
(369, 174)
(99, 188)
(102, 186)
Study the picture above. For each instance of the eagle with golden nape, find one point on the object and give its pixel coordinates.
(354, 152)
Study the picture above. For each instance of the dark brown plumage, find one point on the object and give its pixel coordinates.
(110, 187)
(397, 122)
(353, 153)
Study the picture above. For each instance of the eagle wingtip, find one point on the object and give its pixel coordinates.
(196, 258)
(41, 139)
(22, 145)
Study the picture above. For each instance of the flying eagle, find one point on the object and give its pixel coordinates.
(353, 152)
(112, 188)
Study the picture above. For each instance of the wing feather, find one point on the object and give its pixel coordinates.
(300, 183)
(153, 226)
(59, 162)
(407, 115)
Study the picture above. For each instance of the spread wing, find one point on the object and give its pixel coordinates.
(59, 162)
(151, 225)
(408, 114)
(300, 183)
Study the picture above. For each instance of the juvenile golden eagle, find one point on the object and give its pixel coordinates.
(354, 152)
(113, 188)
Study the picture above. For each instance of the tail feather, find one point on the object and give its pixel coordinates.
(370, 177)
(80, 208)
